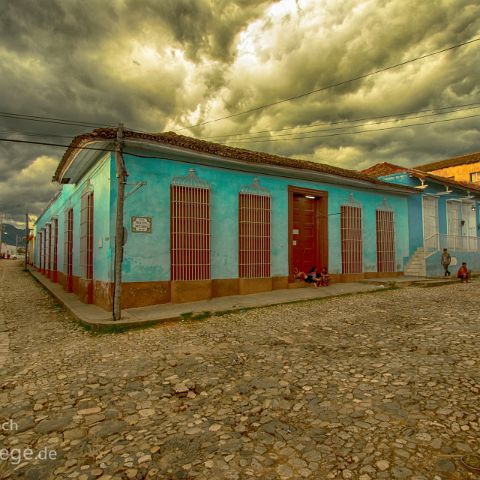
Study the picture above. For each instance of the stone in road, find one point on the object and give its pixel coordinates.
(377, 386)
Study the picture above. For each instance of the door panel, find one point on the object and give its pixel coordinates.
(304, 245)
(430, 222)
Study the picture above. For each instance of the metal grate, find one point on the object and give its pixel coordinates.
(86, 235)
(48, 248)
(254, 235)
(55, 248)
(190, 228)
(40, 250)
(351, 238)
(385, 241)
(44, 249)
(68, 248)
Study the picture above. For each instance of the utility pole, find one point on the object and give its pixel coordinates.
(1, 232)
(119, 231)
(27, 234)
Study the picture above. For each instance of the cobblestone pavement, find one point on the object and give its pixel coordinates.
(375, 386)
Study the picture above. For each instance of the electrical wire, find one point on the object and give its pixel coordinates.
(469, 106)
(327, 87)
(353, 133)
(398, 114)
(359, 125)
(61, 121)
(34, 134)
(31, 142)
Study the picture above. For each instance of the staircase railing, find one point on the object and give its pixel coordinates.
(460, 243)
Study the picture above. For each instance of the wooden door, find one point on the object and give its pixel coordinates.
(304, 241)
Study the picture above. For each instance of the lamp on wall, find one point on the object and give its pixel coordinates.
(446, 192)
(423, 186)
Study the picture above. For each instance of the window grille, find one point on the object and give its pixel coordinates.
(254, 231)
(86, 235)
(385, 241)
(351, 237)
(68, 248)
(40, 250)
(44, 249)
(190, 228)
(55, 247)
(48, 247)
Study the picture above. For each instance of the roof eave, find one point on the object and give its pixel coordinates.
(186, 155)
(79, 162)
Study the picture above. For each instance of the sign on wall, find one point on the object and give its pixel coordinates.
(142, 224)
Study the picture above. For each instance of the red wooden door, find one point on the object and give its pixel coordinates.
(304, 241)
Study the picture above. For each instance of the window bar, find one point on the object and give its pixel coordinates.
(55, 250)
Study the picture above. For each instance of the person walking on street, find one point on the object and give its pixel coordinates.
(446, 259)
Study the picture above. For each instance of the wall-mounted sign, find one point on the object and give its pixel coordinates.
(142, 224)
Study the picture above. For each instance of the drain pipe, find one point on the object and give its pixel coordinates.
(119, 230)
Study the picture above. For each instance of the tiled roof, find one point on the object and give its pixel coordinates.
(385, 168)
(450, 162)
(202, 146)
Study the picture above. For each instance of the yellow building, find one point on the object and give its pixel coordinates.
(462, 169)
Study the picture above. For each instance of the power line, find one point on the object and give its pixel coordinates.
(344, 82)
(31, 142)
(61, 121)
(353, 133)
(360, 124)
(34, 134)
(398, 114)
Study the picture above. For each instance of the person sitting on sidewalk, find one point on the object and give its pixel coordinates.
(463, 273)
(324, 277)
(310, 277)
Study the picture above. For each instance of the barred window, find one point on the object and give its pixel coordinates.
(86, 235)
(55, 244)
(385, 241)
(48, 247)
(190, 228)
(351, 238)
(68, 247)
(40, 249)
(254, 235)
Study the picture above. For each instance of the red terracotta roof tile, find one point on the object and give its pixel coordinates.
(450, 162)
(202, 146)
(385, 168)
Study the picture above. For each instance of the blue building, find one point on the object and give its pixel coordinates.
(203, 220)
(444, 215)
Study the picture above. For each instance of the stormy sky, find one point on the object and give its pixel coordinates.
(161, 65)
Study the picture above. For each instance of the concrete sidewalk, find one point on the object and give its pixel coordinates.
(96, 317)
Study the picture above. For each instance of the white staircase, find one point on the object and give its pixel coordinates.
(416, 267)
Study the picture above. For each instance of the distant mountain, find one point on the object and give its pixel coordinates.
(10, 235)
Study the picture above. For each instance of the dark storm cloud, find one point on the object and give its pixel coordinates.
(157, 65)
(199, 26)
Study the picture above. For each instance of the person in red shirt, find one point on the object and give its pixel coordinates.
(463, 273)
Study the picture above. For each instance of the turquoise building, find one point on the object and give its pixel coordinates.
(445, 214)
(203, 220)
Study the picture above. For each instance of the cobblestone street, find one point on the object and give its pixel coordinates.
(372, 386)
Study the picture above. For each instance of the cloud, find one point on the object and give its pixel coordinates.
(165, 65)
(31, 189)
